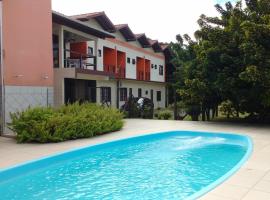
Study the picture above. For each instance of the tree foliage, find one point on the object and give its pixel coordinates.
(228, 61)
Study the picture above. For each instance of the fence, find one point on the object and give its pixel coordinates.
(20, 98)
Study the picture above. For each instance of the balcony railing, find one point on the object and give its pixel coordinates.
(147, 76)
(110, 68)
(140, 75)
(143, 76)
(119, 72)
(79, 60)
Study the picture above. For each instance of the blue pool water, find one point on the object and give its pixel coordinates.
(172, 165)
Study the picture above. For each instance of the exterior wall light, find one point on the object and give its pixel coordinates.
(18, 76)
(45, 77)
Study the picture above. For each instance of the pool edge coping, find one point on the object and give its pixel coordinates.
(194, 196)
(229, 174)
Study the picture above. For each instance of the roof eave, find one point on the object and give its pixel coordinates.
(78, 25)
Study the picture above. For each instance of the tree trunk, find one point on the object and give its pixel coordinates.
(203, 113)
(208, 114)
(213, 112)
(237, 111)
(195, 118)
(175, 106)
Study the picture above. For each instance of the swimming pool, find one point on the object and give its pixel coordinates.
(170, 165)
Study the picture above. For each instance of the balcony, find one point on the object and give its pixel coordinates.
(143, 69)
(110, 68)
(121, 73)
(79, 60)
(140, 75)
(114, 62)
(118, 72)
(147, 76)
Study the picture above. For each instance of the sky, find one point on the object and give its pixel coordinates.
(158, 19)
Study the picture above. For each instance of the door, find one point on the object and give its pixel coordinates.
(91, 91)
(152, 95)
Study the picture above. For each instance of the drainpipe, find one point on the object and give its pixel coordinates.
(117, 93)
(2, 71)
(118, 81)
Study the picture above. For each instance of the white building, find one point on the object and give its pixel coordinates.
(105, 68)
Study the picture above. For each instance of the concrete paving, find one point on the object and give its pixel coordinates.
(251, 182)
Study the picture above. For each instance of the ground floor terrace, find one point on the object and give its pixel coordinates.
(251, 182)
(72, 85)
(79, 85)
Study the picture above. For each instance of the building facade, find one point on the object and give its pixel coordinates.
(52, 59)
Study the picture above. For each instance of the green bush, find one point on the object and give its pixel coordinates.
(227, 109)
(131, 109)
(69, 122)
(164, 115)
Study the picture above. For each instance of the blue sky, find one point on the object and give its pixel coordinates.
(223, 1)
(161, 20)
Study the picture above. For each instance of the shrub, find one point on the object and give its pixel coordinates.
(165, 115)
(132, 109)
(194, 111)
(148, 112)
(227, 109)
(69, 122)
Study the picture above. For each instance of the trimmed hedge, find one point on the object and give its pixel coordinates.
(44, 125)
(164, 115)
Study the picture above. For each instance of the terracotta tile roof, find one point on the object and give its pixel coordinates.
(164, 46)
(120, 26)
(107, 25)
(88, 15)
(155, 45)
(152, 42)
(76, 24)
(126, 31)
(101, 18)
(138, 35)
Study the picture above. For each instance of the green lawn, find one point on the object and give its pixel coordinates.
(220, 118)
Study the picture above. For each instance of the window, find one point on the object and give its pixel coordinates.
(99, 53)
(152, 66)
(160, 69)
(133, 61)
(128, 60)
(139, 92)
(90, 51)
(158, 95)
(130, 92)
(155, 66)
(146, 92)
(123, 94)
(105, 94)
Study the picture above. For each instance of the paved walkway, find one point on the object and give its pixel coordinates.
(251, 182)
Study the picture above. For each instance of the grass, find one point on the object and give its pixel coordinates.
(220, 118)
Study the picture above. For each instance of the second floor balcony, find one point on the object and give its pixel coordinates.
(119, 72)
(75, 59)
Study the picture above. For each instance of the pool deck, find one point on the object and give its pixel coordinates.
(251, 182)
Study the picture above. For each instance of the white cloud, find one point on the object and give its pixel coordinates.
(159, 19)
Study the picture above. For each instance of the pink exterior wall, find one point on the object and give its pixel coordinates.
(27, 42)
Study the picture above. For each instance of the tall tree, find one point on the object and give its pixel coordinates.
(230, 60)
